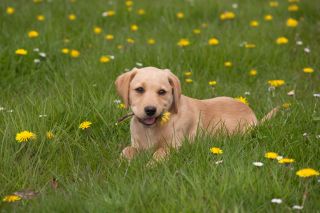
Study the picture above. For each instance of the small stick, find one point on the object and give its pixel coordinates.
(124, 118)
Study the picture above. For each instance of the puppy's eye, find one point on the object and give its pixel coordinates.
(139, 90)
(162, 92)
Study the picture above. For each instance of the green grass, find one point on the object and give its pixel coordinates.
(86, 163)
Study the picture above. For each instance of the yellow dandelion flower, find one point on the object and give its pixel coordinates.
(121, 106)
(212, 83)
(74, 53)
(134, 27)
(187, 74)
(65, 50)
(242, 99)
(282, 40)
(253, 72)
(213, 41)
(97, 30)
(273, 4)
(33, 34)
(188, 80)
(268, 17)
(165, 117)
(10, 10)
(129, 3)
(151, 41)
(216, 150)
(21, 52)
(249, 45)
(307, 172)
(228, 64)
(11, 198)
(72, 17)
(104, 59)
(183, 42)
(196, 31)
(254, 23)
(141, 12)
(286, 160)
(49, 135)
(276, 83)
(180, 15)
(41, 17)
(286, 105)
(130, 41)
(293, 8)
(109, 37)
(308, 70)
(227, 15)
(109, 13)
(271, 155)
(85, 125)
(25, 136)
(291, 22)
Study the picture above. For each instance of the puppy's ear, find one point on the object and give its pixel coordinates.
(123, 83)
(176, 89)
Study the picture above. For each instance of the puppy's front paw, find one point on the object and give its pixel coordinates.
(128, 153)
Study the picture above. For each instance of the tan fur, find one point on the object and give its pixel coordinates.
(188, 115)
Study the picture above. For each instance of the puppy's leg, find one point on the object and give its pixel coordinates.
(158, 156)
(129, 152)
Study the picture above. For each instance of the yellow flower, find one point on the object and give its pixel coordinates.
(213, 41)
(189, 80)
(293, 8)
(130, 41)
(183, 42)
(33, 34)
(276, 83)
(180, 15)
(282, 40)
(74, 53)
(212, 83)
(254, 23)
(291, 22)
(97, 30)
(10, 10)
(187, 74)
(249, 46)
(134, 27)
(268, 17)
(21, 52)
(307, 172)
(286, 105)
(216, 150)
(41, 18)
(196, 31)
(109, 13)
(253, 72)
(286, 160)
(273, 4)
(49, 135)
(129, 3)
(85, 125)
(11, 198)
(121, 106)
(242, 99)
(104, 59)
(25, 136)
(165, 118)
(308, 70)
(109, 37)
(72, 17)
(271, 155)
(228, 64)
(141, 12)
(65, 50)
(227, 15)
(151, 41)
(119, 46)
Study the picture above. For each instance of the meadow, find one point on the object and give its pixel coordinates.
(58, 63)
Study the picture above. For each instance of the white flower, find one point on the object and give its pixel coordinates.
(317, 136)
(259, 164)
(276, 200)
(104, 14)
(36, 49)
(297, 207)
(117, 101)
(139, 64)
(10, 110)
(2, 108)
(305, 134)
(307, 50)
(299, 43)
(126, 70)
(36, 60)
(279, 157)
(234, 5)
(42, 116)
(218, 162)
(316, 95)
(111, 57)
(247, 93)
(42, 54)
(291, 93)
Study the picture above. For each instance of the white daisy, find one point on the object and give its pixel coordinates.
(276, 200)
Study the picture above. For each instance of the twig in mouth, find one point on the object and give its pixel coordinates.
(123, 118)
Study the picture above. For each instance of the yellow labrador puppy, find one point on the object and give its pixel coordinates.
(150, 92)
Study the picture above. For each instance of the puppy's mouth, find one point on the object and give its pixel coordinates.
(149, 121)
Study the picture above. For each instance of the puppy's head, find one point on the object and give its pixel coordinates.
(149, 92)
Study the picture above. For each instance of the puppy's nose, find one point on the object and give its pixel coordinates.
(150, 110)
